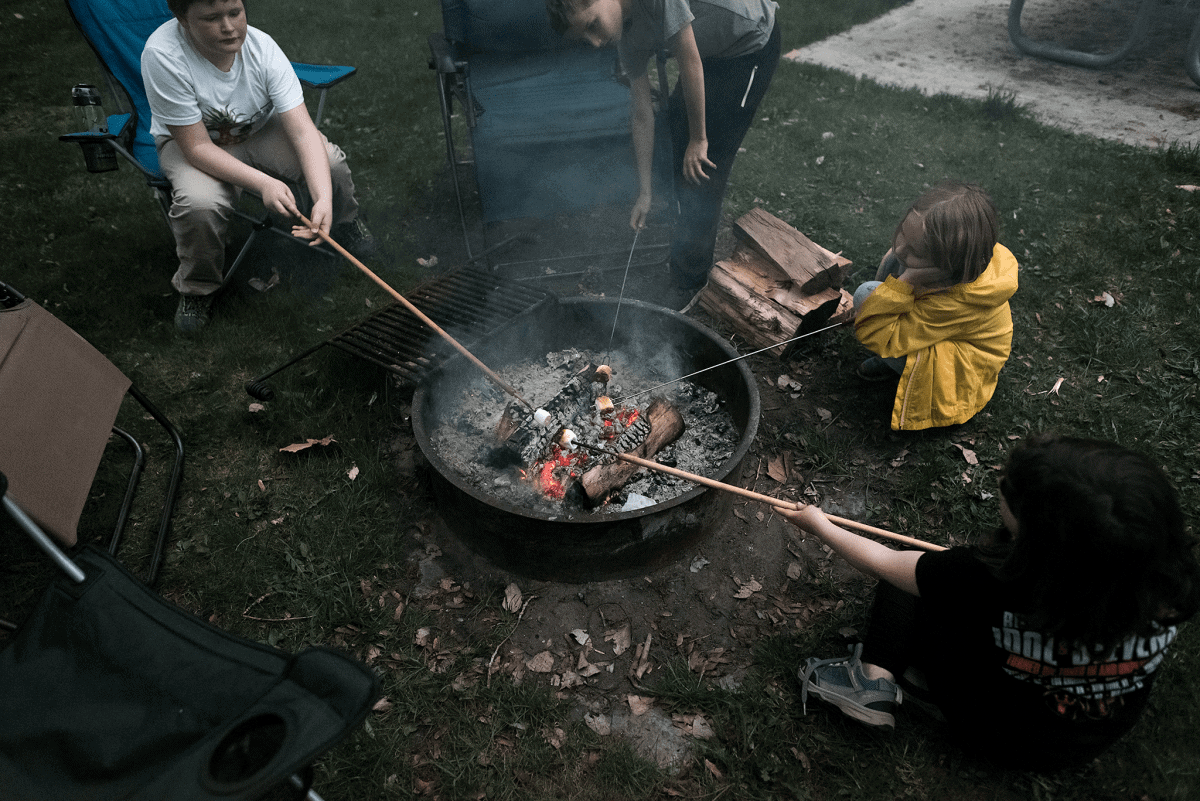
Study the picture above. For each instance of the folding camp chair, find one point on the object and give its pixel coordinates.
(59, 400)
(1144, 16)
(111, 692)
(117, 31)
(547, 118)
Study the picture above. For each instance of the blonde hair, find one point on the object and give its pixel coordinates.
(959, 221)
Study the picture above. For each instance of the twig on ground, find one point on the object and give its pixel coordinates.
(500, 644)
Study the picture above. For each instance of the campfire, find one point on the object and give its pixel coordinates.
(560, 456)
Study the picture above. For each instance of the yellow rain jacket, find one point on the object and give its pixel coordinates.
(956, 342)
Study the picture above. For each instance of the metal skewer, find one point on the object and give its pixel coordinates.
(722, 364)
(778, 503)
(636, 233)
(496, 379)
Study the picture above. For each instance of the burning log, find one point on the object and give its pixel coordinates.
(666, 425)
(523, 439)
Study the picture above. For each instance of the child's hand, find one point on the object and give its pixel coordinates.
(924, 280)
(695, 159)
(807, 518)
(641, 210)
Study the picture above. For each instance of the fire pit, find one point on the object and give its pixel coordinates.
(569, 544)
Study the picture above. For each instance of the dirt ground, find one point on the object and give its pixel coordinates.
(598, 643)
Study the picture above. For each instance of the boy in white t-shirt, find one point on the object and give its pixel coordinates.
(228, 114)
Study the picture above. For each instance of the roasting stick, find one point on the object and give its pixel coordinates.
(500, 382)
(767, 499)
(636, 233)
(624, 398)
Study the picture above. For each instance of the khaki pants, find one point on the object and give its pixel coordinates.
(201, 205)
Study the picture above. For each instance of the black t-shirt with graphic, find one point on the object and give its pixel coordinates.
(1014, 690)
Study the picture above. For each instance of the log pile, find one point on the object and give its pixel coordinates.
(775, 281)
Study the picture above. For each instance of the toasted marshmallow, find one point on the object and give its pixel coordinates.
(567, 439)
(603, 374)
(604, 405)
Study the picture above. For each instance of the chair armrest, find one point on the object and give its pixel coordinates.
(319, 76)
(116, 130)
(440, 56)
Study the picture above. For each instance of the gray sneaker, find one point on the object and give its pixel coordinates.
(841, 682)
(355, 237)
(193, 312)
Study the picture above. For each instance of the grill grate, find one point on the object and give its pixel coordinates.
(468, 303)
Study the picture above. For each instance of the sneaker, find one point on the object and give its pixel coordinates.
(841, 682)
(193, 312)
(355, 237)
(876, 370)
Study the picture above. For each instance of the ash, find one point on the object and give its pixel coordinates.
(465, 437)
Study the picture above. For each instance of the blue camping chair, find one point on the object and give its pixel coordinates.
(117, 31)
(547, 118)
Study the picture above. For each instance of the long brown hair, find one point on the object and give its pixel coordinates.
(1101, 550)
(960, 228)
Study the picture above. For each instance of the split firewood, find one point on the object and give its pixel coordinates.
(666, 425)
(810, 266)
(522, 439)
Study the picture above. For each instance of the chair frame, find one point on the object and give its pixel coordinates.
(453, 77)
(10, 297)
(75, 574)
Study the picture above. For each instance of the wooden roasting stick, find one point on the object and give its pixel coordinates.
(497, 380)
(777, 502)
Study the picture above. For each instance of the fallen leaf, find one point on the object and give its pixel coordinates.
(422, 637)
(698, 564)
(308, 443)
(382, 705)
(1187, 187)
(352, 472)
(713, 769)
(580, 636)
(900, 458)
(599, 724)
(776, 469)
(1057, 384)
(512, 598)
(621, 639)
(541, 663)
(795, 570)
(824, 414)
(256, 407)
(967, 453)
(639, 705)
(747, 588)
(556, 738)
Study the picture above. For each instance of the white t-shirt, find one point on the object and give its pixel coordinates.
(184, 87)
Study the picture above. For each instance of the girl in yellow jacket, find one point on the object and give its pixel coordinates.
(937, 313)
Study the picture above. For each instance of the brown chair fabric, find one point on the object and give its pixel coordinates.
(59, 397)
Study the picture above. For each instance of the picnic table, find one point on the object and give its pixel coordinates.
(1146, 11)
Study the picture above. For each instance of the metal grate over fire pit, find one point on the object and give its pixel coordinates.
(564, 545)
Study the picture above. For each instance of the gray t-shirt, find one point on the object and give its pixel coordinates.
(723, 28)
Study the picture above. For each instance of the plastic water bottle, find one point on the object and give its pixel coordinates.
(97, 156)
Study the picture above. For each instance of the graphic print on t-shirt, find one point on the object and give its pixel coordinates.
(225, 128)
(1079, 681)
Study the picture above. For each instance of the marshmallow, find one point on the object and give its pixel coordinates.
(604, 405)
(541, 417)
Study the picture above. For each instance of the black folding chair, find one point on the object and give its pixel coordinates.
(110, 692)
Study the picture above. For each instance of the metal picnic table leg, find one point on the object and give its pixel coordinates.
(1055, 52)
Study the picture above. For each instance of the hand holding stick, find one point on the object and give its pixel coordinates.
(767, 499)
(496, 379)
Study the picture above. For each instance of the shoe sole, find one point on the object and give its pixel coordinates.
(863, 714)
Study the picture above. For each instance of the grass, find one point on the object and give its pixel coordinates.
(293, 541)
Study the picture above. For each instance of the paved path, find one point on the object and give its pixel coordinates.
(961, 47)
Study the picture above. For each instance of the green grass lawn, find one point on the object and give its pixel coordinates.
(1083, 217)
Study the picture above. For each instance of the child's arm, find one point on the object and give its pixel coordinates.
(641, 122)
(691, 75)
(314, 163)
(204, 154)
(898, 568)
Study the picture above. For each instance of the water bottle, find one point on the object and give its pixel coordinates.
(97, 156)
